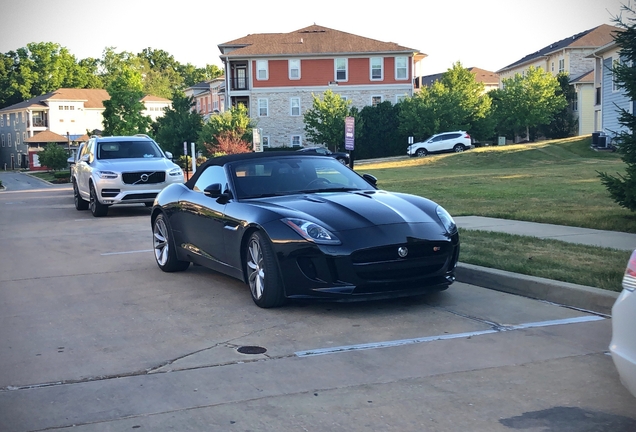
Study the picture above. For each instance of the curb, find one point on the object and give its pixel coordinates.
(568, 294)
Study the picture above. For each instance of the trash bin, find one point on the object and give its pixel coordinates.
(595, 136)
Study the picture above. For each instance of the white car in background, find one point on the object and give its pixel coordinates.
(623, 345)
(121, 170)
(457, 141)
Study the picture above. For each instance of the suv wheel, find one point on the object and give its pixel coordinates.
(98, 209)
(80, 203)
(458, 148)
(421, 152)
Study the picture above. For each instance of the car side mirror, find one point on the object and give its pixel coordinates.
(372, 180)
(86, 158)
(168, 155)
(214, 190)
(71, 160)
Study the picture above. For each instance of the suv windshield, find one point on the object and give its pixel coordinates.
(127, 150)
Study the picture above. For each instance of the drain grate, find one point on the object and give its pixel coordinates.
(251, 350)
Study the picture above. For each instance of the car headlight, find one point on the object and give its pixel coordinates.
(311, 231)
(175, 172)
(446, 219)
(107, 174)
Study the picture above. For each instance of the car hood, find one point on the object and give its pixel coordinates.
(341, 211)
(137, 164)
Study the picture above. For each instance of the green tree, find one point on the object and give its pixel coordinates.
(378, 136)
(179, 124)
(565, 122)
(455, 102)
(54, 157)
(325, 120)
(123, 111)
(40, 68)
(236, 120)
(622, 187)
(192, 74)
(528, 101)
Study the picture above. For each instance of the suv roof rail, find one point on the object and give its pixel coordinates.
(142, 135)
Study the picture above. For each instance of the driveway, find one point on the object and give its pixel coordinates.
(18, 181)
(93, 336)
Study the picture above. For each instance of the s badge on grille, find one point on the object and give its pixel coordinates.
(144, 177)
(403, 251)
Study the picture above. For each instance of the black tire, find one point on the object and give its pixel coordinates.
(458, 148)
(97, 209)
(342, 161)
(80, 203)
(421, 152)
(164, 248)
(262, 272)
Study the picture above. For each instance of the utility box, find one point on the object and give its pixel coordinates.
(501, 140)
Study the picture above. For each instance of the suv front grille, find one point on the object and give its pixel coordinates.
(151, 177)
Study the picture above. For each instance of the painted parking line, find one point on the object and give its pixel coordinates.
(126, 252)
(401, 342)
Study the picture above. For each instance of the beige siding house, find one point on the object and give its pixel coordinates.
(572, 56)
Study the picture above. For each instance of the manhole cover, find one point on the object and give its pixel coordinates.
(251, 350)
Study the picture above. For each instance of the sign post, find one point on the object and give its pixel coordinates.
(185, 155)
(257, 144)
(350, 138)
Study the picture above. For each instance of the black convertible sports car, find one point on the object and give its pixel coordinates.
(295, 225)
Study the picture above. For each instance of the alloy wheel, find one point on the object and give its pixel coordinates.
(256, 271)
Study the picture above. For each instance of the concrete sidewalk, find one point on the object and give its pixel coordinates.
(572, 295)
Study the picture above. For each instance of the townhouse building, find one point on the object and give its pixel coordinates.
(572, 56)
(66, 115)
(276, 76)
(489, 79)
(208, 96)
(609, 98)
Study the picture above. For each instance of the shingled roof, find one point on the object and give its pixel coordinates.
(592, 38)
(481, 75)
(93, 98)
(310, 40)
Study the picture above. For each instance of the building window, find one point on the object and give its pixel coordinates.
(262, 108)
(262, 72)
(295, 106)
(8, 140)
(400, 98)
(198, 105)
(376, 100)
(552, 66)
(401, 68)
(216, 105)
(2, 120)
(3, 140)
(561, 65)
(294, 69)
(341, 69)
(23, 136)
(377, 68)
(265, 141)
(61, 107)
(296, 141)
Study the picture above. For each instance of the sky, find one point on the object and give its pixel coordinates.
(488, 34)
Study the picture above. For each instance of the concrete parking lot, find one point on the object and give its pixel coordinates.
(95, 337)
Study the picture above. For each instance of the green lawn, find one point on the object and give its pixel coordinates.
(551, 182)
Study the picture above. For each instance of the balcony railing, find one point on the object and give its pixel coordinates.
(239, 83)
(38, 123)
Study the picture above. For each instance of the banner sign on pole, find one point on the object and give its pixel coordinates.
(349, 133)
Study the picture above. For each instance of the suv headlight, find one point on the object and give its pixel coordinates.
(107, 174)
(175, 172)
(446, 219)
(311, 231)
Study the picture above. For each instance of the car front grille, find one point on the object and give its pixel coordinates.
(390, 253)
(144, 177)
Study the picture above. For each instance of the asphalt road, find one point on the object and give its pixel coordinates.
(95, 337)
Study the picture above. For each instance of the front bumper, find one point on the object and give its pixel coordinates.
(115, 191)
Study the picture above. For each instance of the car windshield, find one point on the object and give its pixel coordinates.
(127, 150)
(259, 178)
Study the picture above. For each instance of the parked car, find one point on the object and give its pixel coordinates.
(121, 170)
(447, 141)
(341, 157)
(623, 345)
(295, 225)
(72, 160)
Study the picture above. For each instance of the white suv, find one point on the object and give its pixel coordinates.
(447, 141)
(121, 170)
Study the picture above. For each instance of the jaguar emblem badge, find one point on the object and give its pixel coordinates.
(403, 252)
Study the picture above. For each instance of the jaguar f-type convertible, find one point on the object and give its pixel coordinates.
(302, 226)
